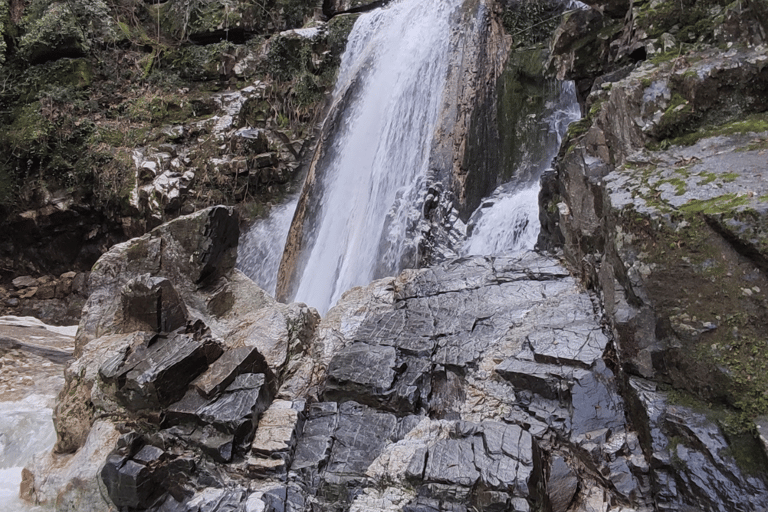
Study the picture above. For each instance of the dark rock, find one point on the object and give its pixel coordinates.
(152, 304)
(562, 484)
(128, 483)
(452, 461)
(361, 372)
(165, 370)
(216, 444)
(148, 454)
(224, 370)
(596, 404)
(359, 436)
(690, 456)
(237, 410)
(547, 380)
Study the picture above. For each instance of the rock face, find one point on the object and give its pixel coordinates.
(658, 204)
(479, 383)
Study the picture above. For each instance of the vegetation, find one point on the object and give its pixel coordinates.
(87, 81)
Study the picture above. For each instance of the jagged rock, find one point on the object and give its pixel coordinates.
(690, 457)
(452, 462)
(227, 367)
(159, 374)
(237, 410)
(278, 430)
(561, 485)
(361, 372)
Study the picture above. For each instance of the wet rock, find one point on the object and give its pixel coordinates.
(128, 483)
(237, 410)
(690, 456)
(547, 380)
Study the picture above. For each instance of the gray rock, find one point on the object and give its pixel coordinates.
(24, 282)
(226, 368)
(561, 485)
(452, 461)
(361, 372)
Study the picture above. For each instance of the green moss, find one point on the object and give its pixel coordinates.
(5, 21)
(693, 19)
(709, 177)
(754, 123)
(720, 204)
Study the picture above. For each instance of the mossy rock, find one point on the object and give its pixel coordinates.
(206, 21)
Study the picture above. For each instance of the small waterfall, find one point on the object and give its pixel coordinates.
(260, 249)
(508, 220)
(397, 61)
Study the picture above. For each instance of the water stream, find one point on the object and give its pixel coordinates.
(396, 63)
(508, 220)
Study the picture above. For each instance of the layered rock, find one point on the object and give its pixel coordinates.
(657, 204)
(480, 383)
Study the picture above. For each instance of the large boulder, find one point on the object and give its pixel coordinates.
(171, 336)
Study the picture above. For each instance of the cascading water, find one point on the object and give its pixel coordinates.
(508, 220)
(260, 249)
(363, 224)
(25, 429)
(398, 59)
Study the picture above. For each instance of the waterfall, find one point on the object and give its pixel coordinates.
(260, 249)
(364, 216)
(397, 61)
(508, 220)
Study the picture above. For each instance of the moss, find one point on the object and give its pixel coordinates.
(720, 204)
(754, 123)
(339, 28)
(698, 280)
(693, 19)
(709, 177)
(530, 23)
(5, 22)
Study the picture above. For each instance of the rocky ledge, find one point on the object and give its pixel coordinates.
(484, 383)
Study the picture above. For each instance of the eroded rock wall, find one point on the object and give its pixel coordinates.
(657, 202)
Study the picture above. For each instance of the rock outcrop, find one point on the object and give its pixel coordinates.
(480, 383)
(658, 204)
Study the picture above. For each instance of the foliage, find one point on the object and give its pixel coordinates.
(4, 22)
(531, 22)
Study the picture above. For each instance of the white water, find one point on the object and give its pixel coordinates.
(26, 428)
(260, 249)
(398, 56)
(508, 220)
